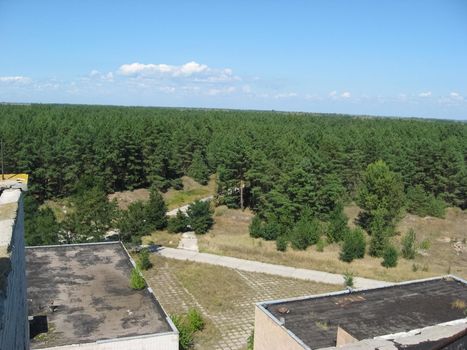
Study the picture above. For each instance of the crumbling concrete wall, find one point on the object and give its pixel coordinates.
(14, 326)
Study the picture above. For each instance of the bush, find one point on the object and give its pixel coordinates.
(348, 279)
(178, 224)
(354, 246)
(187, 326)
(195, 320)
(408, 245)
(390, 256)
(250, 342)
(271, 230)
(306, 232)
(144, 262)
(321, 244)
(200, 216)
(422, 203)
(136, 280)
(338, 225)
(185, 334)
(256, 227)
(380, 231)
(281, 243)
(177, 184)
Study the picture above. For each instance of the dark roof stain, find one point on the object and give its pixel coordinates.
(372, 313)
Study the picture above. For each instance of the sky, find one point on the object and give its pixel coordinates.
(390, 58)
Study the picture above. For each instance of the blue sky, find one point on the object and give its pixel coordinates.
(399, 58)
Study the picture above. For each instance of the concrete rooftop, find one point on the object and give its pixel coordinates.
(374, 312)
(89, 287)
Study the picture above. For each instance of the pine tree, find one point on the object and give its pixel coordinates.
(155, 210)
(200, 216)
(337, 225)
(198, 169)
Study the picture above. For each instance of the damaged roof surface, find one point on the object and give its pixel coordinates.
(89, 287)
(372, 313)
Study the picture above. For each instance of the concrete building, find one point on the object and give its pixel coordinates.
(418, 315)
(76, 296)
(14, 328)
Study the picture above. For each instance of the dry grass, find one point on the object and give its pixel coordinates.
(60, 207)
(192, 191)
(225, 296)
(125, 198)
(162, 237)
(229, 236)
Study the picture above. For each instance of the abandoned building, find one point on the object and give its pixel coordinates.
(75, 295)
(416, 315)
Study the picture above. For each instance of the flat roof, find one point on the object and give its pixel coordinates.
(373, 312)
(89, 287)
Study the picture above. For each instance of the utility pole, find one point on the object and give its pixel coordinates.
(241, 193)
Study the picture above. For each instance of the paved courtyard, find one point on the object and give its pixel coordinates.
(233, 321)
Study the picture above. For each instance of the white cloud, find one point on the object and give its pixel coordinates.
(186, 69)
(286, 95)
(221, 91)
(346, 94)
(425, 94)
(336, 95)
(15, 79)
(456, 96)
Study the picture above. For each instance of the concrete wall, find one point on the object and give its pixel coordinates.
(269, 335)
(14, 326)
(162, 341)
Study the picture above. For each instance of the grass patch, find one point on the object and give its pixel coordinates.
(229, 236)
(191, 192)
(199, 279)
(162, 237)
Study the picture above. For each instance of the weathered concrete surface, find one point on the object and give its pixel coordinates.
(84, 292)
(256, 266)
(14, 327)
(189, 242)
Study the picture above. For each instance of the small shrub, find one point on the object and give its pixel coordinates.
(390, 256)
(425, 244)
(185, 334)
(348, 279)
(321, 244)
(408, 245)
(195, 320)
(136, 280)
(187, 326)
(250, 343)
(306, 232)
(425, 268)
(421, 203)
(337, 225)
(256, 227)
(354, 246)
(281, 243)
(415, 267)
(178, 224)
(271, 231)
(144, 262)
(177, 184)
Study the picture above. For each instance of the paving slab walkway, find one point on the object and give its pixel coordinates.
(272, 269)
(189, 242)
